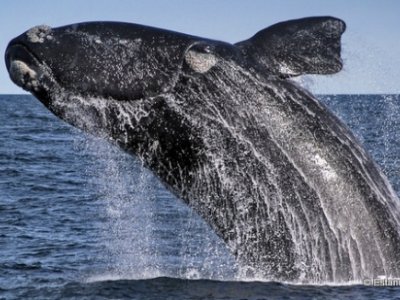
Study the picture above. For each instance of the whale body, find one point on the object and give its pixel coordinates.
(279, 178)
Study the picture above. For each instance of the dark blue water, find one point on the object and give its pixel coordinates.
(79, 219)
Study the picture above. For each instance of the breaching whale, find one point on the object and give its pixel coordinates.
(278, 177)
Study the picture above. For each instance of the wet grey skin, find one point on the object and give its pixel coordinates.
(278, 177)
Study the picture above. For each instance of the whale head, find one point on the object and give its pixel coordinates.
(118, 61)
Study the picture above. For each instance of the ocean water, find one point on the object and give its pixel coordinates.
(80, 219)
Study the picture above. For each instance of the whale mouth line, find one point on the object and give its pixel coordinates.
(32, 74)
(20, 51)
(24, 67)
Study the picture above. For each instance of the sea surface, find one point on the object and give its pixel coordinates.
(80, 219)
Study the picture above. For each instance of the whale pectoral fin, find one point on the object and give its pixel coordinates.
(303, 46)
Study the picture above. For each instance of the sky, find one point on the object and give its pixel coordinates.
(371, 43)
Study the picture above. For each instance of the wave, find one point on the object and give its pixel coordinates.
(110, 286)
(178, 288)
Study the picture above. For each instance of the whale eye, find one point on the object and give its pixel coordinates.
(200, 58)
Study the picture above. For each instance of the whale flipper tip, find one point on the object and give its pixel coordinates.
(304, 46)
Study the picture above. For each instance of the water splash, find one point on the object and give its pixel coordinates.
(127, 191)
(140, 218)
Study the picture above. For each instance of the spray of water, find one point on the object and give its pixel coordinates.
(147, 232)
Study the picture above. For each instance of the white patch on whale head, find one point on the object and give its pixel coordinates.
(23, 75)
(39, 34)
(200, 62)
